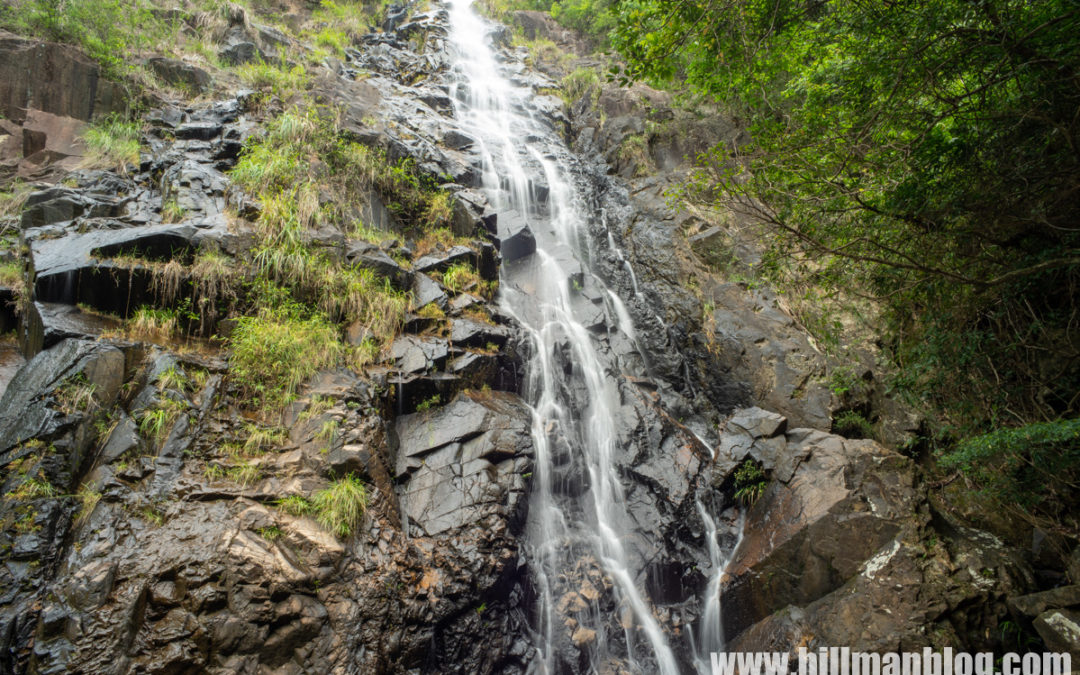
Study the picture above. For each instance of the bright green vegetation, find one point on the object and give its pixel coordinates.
(156, 421)
(919, 158)
(750, 481)
(112, 144)
(275, 78)
(88, 501)
(1035, 468)
(34, 488)
(295, 505)
(429, 403)
(107, 29)
(852, 424)
(275, 351)
(340, 506)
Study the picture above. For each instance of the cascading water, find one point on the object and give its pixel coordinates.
(577, 523)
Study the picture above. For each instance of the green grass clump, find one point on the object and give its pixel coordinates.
(295, 505)
(340, 507)
(112, 144)
(581, 82)
(851, 424)
(275, 78)
(274, 352)
(460, 276)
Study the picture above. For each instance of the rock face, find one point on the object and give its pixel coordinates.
(843, 549)
(47, 94)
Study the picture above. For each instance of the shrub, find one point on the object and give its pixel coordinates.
(851, 424)
(750, 482)
(1034, 467)
(276, 79)
(107, 29)
(274, 352)
(340, 507)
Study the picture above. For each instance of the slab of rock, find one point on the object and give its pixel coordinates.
(53, 78)
(426, 290)
(180, 74)
(418, 355)
(464, 461)
(1060, 631)
(515, 239)
(439, 262)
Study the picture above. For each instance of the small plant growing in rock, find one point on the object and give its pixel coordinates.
(431, 311)
(155, 422)
(340, 506)
(460, 276)
(271, 534)
(213, 472)
(318, 405)
(328, 433)
(34, 488)
(88, 500)
(273, 353)
(851, 424)
(244, 474)
(76, 394)
(260, 439)
(172, 212)
(172, 378)
(295, 505)
(153, 516)
(750, 482)
(112, 144)
(430, 403)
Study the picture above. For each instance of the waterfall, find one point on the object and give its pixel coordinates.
(578, 517)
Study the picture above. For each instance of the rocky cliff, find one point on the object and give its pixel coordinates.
(157, 519)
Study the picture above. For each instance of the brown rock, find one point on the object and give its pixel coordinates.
(52, 140)
(54, 78)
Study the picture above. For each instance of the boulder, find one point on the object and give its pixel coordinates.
(426, 290)
(418, 355)
(240, 53)
(463, 462)
(513, 236)
(180, 74)
(440, 262)
(1060, 631)
(56, 79)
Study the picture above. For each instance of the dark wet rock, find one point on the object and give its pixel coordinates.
(426, 290)
(469, 333)
(240, 53)
(515, 239)
(61, 204)
(464, 461)
(457, 140)
(372, 257)
(195, 188)
(48, 323)
(1035, 604)
(440, 262)
(1060, 631)
(844, 535)
(57, 79)
(418, 355)
(201, 130)
(180, 74)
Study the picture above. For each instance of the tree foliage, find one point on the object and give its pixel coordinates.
(924, 153)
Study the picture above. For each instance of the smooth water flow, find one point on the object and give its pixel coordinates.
(577, 514)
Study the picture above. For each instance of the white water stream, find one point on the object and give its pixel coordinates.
(571, 531)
